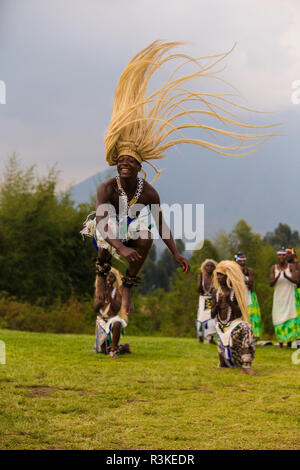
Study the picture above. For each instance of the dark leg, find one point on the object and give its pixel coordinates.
(222, 363)
(211, 340)
(142, 246)
(116, 333)
(248, 349)
(104, 255)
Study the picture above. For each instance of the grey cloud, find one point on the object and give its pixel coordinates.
(61, 61)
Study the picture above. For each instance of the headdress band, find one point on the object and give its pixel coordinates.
(239, 256)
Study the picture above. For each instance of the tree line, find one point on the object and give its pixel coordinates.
(47, 271)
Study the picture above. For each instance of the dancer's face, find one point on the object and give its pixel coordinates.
(222, 278)
(110, 278)
(241, 262)
(281, 258)
(128, 167)
(209, 267)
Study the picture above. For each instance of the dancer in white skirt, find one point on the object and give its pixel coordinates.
(205, 325)
(110, 319)
(236, 345)
(284, 278)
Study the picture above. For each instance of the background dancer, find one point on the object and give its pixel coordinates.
(253, 305)
(292, 258)
(284, 278)
(236, 344)
(110, 321)
(205, 325)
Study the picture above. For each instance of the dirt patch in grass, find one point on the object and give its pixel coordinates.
(83, 393)
(204, 389)
(132, 400)
(40, 391)
(47, 390)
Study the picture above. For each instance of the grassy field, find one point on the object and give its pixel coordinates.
(168, 394)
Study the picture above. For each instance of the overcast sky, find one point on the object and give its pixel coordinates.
(61, 59)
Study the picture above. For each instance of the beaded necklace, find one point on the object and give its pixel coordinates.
(229, 311)
(124, 218)
(126, 204)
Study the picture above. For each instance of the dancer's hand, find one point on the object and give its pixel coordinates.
(129, 254)
(226, 296)
(184, 264)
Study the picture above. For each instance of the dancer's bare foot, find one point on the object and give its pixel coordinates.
(248, 370)
(113, 352)
(127, 303)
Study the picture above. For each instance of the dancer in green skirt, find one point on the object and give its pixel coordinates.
(253, 305)
(286, 305)
(292, 258)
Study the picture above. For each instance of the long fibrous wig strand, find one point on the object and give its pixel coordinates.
(145, 122)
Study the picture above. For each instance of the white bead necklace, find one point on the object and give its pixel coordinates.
(229, 311)
(125, 203)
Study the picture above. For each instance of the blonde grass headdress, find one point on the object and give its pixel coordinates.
(118, 281)
(202, 268)
(235, 281)
(118, 285)
(142, 125)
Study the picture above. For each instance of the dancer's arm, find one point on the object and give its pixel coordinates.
(99, 296)
(250, 282)
(233, 304)
(199, 284)
(294, 278)
(297, 268)
(215, 307)
(166, 234)
(273, 279)
(116, 302)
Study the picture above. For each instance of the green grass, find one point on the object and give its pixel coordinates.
(168, 394)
